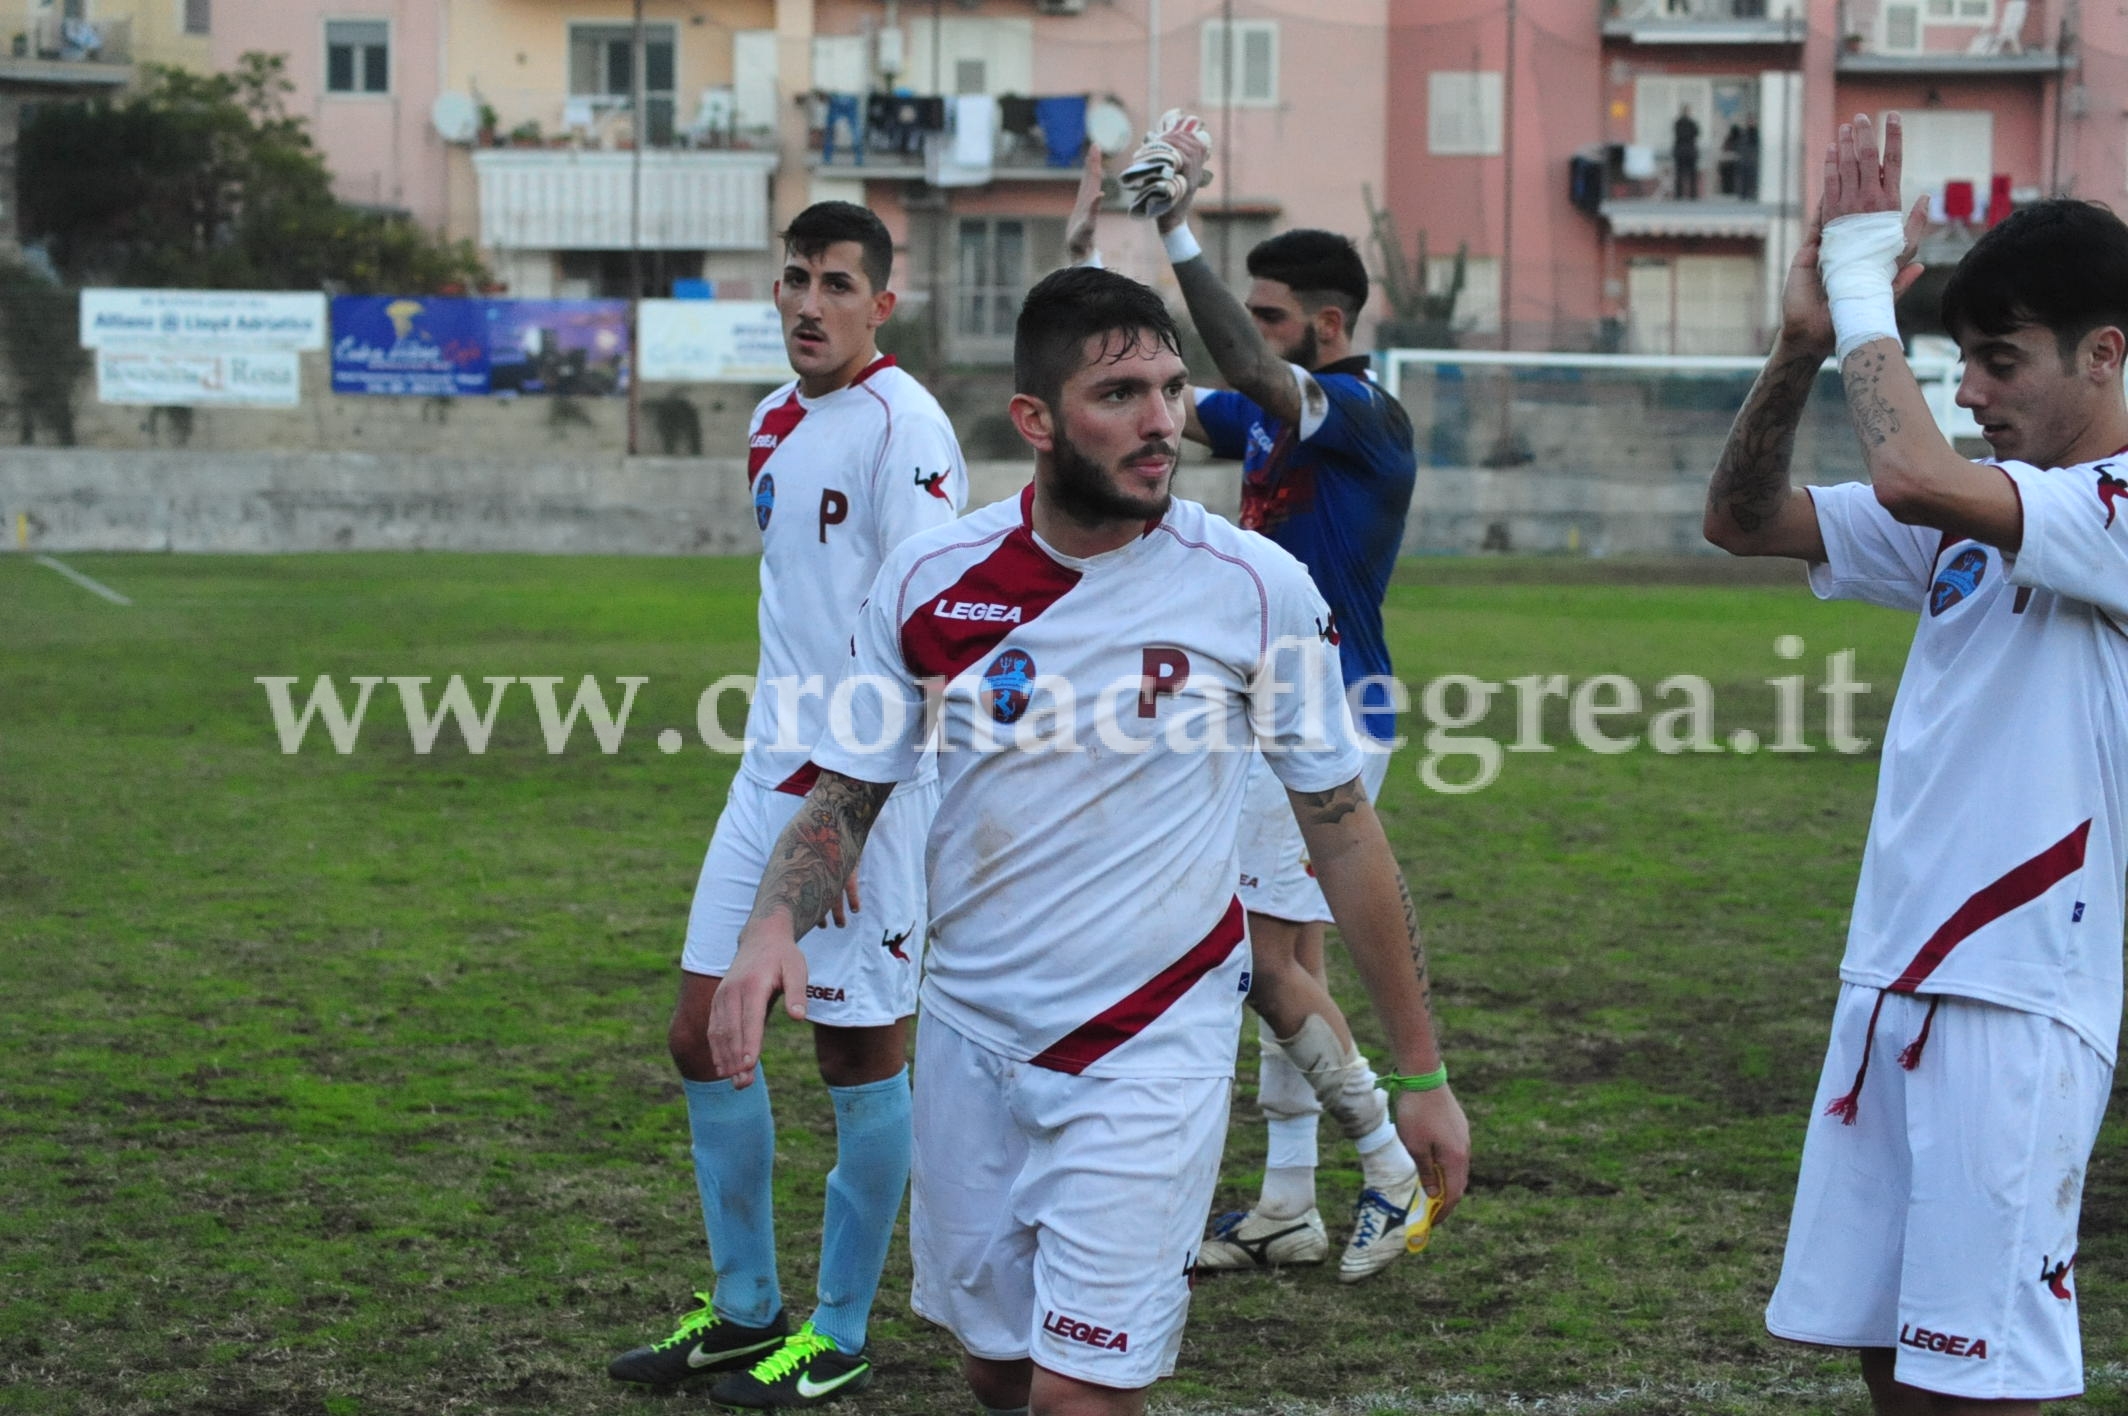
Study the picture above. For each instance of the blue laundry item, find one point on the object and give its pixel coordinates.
(1063, 123)
(847, 109)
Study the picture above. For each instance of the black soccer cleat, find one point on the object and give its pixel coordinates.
(807, 1370)
(704, 1343)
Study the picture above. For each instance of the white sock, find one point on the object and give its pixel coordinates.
(1289, 1168)
(1383, 1159)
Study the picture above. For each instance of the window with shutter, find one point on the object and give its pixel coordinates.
(1463, 114)
(1239, 63)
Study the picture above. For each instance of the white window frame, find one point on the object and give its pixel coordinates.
(1482, 90)
(1215, 86)
(391, 46)
(605, 102)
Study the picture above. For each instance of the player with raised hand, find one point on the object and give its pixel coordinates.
(1327, 473)
(1973, 1044)
(1100, 660)
(845, 462)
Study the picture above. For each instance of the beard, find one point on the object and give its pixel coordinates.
(1308, 352)
(1083, 490)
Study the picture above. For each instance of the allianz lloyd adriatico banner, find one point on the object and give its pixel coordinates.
(200, 348)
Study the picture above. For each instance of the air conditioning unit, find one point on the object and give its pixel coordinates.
(1060, 7)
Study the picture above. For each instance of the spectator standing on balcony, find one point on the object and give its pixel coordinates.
(1684, 153)
(1747, 162)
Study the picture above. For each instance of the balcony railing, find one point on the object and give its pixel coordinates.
(51, 37)
(1705, 21)
(566, 199)
(1897, 37)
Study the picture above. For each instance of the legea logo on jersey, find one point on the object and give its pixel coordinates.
(1008, 684)
(764, 500)
(1958, 579)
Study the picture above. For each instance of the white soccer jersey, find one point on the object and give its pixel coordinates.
(1083, 915)
(1996, 855)
(837, 483)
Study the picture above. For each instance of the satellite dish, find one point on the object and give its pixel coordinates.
(1109, 126)
(457, 117)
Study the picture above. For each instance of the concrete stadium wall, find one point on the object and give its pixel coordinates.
(162, 500)
(77, 499)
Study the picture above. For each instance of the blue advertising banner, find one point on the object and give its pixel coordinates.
(393, 344)
(408, 346)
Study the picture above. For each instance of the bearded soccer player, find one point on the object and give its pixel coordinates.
(844, 463)
(1935, 1222)
(1101, 660)
(1327, 472)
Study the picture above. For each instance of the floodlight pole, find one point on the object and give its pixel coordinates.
(636, 61)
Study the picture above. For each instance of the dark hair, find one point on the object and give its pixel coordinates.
(2061, 264)
(823, 224)
(1075, 304)
(1322, 267)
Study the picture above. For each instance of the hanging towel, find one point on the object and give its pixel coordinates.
(975, 125)
(1063, 123)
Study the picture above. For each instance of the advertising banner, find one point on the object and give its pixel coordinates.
(172, 378)
(713, 341)
(202, 320)
(403, 345)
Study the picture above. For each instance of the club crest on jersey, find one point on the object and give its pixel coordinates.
(1958, 579)
(764, 500)
(2110, 490)
(1008, 684)
(935, 483)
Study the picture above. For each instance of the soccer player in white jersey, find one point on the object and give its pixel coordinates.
(844, 462)
(1935, 1223)
(1099, 660)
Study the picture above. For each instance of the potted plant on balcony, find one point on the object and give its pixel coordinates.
(526, 134)
(489, 121)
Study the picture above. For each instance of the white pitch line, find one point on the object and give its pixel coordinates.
(93, 586)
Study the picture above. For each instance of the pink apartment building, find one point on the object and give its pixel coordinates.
(751, 108)
(1542, 135)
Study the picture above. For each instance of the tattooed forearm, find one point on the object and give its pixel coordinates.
(1328, 808)
(1244, 360)
(1876, 421)
(1418, 945)
(1751, 481)
(817, 851)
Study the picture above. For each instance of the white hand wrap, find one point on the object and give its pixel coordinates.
(1857, 258)
(1181, 245)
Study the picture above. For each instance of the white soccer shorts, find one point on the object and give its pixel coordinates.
(1275, 876)
(861, 975)
(1057, 1216)
(1942, 1223)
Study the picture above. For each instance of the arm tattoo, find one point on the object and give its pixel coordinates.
(1875, 419)
(817, 851)
(1418, 946)
(1328, 808)
(1751, 481)
(1230, 334)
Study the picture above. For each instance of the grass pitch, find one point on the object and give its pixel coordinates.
(336, 1084)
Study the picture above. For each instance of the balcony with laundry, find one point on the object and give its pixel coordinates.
(965, 140)
(1947, 38)
(60, 43)
(1697, 22)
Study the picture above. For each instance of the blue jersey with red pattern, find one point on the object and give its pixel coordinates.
(1334, 491)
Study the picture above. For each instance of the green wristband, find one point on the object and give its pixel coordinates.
(1424, 1082)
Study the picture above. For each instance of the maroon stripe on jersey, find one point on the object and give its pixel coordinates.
(884, 361)
(1091, 1041)
(775, 426)
(801, 781)
(954, 628)
(2020, 885)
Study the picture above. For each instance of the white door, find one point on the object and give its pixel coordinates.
(1717, 304)
(1649, 309)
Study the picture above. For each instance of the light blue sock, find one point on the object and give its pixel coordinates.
(735, 1146)
(864, 1195)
